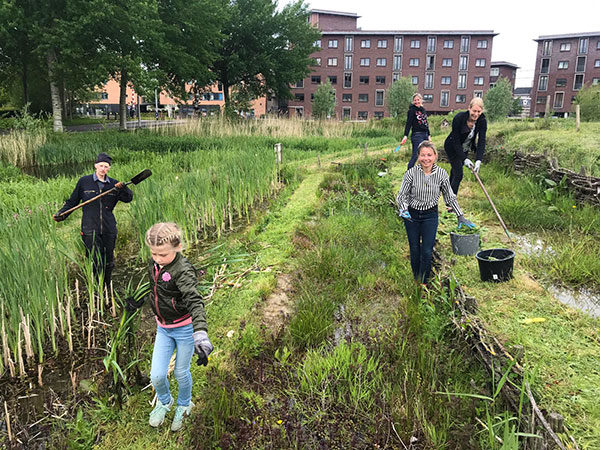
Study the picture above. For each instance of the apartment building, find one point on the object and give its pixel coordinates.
(447, 67)
(503, 69)
(564, 64)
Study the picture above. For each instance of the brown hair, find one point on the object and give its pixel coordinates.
(163, 233)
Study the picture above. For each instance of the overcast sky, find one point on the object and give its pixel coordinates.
(518, 22)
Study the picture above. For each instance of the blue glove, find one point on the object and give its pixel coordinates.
(468, 163)
(202, 347)
(405, 215)
(464, 222)
(477, 166)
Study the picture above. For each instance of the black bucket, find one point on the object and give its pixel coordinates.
(495, 264)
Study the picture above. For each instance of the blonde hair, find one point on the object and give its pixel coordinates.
(476, 101)
(427, 144)
(163, 233)
(416, 94)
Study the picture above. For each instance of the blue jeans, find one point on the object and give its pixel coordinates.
(167, 340)
(421, 233)
(416, 139)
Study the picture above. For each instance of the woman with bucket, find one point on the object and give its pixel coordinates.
(417, 203)
(416, 121)
(468, 133)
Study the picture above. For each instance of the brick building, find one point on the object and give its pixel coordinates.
(447, 67)
(564, 64)
(503, 69)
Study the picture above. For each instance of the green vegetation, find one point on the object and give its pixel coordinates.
(324, 101)
(588, 99)
(399, 97)
(498, 100)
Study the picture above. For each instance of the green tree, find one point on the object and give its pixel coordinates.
(399, 97)
(515, 108)
(498, 100)
(264, 49)
(323, 105)
(588, 100)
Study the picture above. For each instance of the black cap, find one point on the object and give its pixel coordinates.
(103, 157)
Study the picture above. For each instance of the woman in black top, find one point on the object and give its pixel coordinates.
(417, 203)
(468, 133)
(416, 120)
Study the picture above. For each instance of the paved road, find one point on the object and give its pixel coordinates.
(130, 125)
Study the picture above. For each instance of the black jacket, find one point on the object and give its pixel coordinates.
(454, 141)
(416, 120)
(174, 295)
(98, 216)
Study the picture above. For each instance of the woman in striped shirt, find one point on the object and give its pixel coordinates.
(417, 203)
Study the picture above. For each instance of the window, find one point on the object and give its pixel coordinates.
(547, 48)
(444, 98)
(364, 62)
(430, 59)
(312, 96)
(583, 46)
(545, 65)
(349, 44)
(380, 79)
(597, 46)
(427, 98)
(494, 72)
(104, 96)
(397, 43)
(415, 80)
(461, 98)
(446, 80)
(478, 94)
(346, 98)
(482, 43)
(300, 84)
(378, 115)
(382, 43)
(543, 83)
(478, 81)
(578, 82)
(363, 79)
(347, 80)
(415, 43)
(333, 43)
(431, 44)
(379, 95)
(346, 113)
(413, 62)
(463, 62)
(396, 76)
(397, 62)
(317, 61)
(558, 100)
(597, 63)
(563, 65)
(299, 97)
(381, 62)
(447, 62)
(348, 62)
(365, 43)
(541, 100)
(580, 64)
(315, 79)
(332, 79)
(480, 62)
(318, 43)
(565, 47)
(462, 81)
(595, 81)
(428, 81)
(561, 82)
(332, 62)
(464, 44)
(363, 98)
(362, 115)
(448, 44)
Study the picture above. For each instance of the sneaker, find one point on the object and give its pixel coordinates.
(180, 414)
(157, 416)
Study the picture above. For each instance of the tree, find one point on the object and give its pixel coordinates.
(515, 108)
(588, 100)
(399, 97)
(265, 50)
(324, 101)
(498, 100)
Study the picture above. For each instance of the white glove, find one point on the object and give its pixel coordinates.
(468, 163)
(477, 166)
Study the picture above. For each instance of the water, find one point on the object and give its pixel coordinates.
(583, 299)
(531, 245)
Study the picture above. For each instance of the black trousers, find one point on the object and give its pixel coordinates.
(101, 248)
(456, 172)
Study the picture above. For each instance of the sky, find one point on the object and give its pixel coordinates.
(518, 22)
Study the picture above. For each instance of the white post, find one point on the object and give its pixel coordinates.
(138, 111)
(577, 117)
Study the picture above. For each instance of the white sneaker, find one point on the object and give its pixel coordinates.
(180, 414)
(157, 416)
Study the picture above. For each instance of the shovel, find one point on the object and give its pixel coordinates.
(135, 180)
(493, 206)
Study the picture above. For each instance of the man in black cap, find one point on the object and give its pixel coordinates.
(98, 224)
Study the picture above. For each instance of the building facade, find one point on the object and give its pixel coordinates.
(503, 69)
(447, 67)
(564, 64)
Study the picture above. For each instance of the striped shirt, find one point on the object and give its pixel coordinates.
(421, 192)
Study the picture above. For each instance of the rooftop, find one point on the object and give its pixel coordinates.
(504, 63)
(414, 32)
(568, 36)
(334, 13)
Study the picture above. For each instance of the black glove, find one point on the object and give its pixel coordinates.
(131, 305)
(59, 217)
